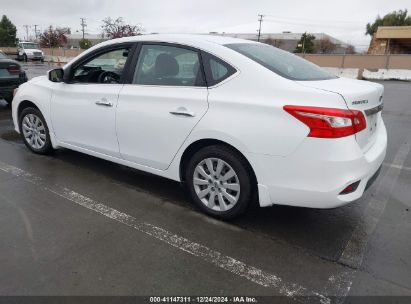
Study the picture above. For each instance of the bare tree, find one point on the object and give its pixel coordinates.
(274, 42)
(53, 37)
(118, 28)
(326, 46)
(350, 49)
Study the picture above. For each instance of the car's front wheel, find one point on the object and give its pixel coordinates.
(220, 181)
(34, 131)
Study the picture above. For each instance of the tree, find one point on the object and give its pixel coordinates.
(53, 37)
(396, 18)
(305, 44)
(85, 44)
(326, 46)
(7, 32)
(350, 49)
(117, 28)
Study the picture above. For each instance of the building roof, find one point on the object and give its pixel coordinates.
(393, 32)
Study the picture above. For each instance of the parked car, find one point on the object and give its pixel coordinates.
(237, 121)
(11, 76)
(29, 51)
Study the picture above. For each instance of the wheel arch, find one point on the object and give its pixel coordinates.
(25, 104)
(195, 146)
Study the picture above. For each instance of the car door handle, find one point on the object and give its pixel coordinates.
(183, 112)
(104, 102)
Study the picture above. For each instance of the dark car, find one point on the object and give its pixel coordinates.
(11, 76)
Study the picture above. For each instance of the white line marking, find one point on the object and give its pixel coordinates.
(353, 253)
(339, 285)
(214, 257)
(397, 166)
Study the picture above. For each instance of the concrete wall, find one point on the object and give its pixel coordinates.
(361, 61)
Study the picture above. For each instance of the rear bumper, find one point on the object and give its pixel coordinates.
(316, 173)
(6, 91)
(7, 87)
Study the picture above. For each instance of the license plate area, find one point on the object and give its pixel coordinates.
(372, 118)
(372, 121)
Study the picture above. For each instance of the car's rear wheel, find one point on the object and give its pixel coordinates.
(220, 181)
(34, 131)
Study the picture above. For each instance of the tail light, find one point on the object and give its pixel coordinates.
(329, 122)
(14, 70)
(350, 188)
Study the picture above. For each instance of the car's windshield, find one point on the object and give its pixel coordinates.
(30, 45)
(281, 62)
(3, 56)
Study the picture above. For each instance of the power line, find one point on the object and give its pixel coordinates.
(260, 20)
(315, 20)
(83, 25)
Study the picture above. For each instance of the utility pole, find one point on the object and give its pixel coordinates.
(27, 32)
(35, 30)
(260, 20)
(83, 25)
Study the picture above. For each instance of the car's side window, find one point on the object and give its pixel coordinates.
(104, 68)
(216, 70)
(166, 65)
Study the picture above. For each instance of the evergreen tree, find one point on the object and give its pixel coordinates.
(7, 32)
(305, 44)
(396, 18)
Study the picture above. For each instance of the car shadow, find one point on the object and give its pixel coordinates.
(321, 232)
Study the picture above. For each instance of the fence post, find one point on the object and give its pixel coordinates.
(387, 61)
(343, 61)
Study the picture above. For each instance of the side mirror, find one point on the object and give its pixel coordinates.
(56, 75)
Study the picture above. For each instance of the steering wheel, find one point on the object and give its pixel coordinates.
(108, 77)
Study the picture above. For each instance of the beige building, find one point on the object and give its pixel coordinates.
(391, 40)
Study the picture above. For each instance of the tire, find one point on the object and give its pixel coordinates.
(198, 184)
(32, 118)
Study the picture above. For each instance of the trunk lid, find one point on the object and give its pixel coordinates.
(358, 95)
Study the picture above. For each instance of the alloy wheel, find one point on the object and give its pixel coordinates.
(216, 184)
(34, 131)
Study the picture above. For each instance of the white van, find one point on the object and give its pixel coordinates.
(29, 51)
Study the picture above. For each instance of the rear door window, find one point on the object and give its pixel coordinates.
(216, 70)
(168, 65)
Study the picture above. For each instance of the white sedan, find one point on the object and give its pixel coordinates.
(238, 122)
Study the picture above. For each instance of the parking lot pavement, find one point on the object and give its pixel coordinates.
(76, 225)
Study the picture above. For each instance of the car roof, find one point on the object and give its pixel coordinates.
(182, 38)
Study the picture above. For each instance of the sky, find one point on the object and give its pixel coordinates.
(344, 20)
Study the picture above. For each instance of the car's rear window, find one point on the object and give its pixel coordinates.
(281, 62)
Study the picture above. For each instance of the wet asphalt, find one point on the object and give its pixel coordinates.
(51, 245)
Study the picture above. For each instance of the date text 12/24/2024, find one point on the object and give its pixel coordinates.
(203, 299)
